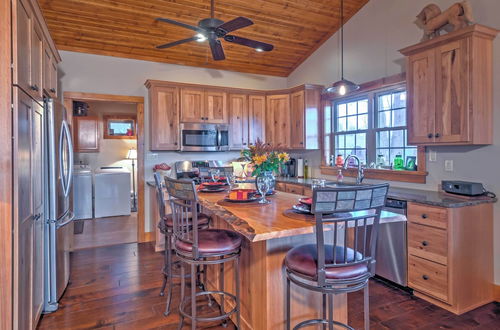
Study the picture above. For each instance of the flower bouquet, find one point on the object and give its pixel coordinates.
(265, 158)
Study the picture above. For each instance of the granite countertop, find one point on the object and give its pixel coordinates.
(428, 197)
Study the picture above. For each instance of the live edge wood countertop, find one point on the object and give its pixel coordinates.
(260, 223)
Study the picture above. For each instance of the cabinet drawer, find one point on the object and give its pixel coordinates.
(280, 186)
(295, 189)
(308, 192)
(428, 215)
(428, 277)
(428, 242)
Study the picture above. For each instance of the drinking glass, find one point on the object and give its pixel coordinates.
(214, 174)
(263, 185)
(318, 183)
(231, 180)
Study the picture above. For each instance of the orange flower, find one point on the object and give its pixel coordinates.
(258, 160)
(284, 157)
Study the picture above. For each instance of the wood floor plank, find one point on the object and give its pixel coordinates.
(117, 287)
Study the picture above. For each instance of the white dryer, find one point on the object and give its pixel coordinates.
(111, 192)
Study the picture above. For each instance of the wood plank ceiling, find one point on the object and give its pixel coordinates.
(127, 28)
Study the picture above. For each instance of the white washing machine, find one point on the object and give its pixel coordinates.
(111, 192)
(82, 193)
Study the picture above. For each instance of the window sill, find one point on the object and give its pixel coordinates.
(376, 174)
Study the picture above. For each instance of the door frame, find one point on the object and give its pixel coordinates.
(142, 235)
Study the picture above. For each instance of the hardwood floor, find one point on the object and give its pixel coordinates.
(107, 231)
(116, 287)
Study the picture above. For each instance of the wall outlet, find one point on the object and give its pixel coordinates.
(432, 156)
(448, 165)
(152, 156)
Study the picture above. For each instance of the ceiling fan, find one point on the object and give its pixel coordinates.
(212, 29)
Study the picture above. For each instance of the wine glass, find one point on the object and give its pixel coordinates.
(263, 185)
(215, 175)
(231, 180)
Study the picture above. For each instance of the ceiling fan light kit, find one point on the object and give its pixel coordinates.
(343, 86)
(212, 29)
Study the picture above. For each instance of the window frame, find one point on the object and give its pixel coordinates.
(110, 117)
(369, 91)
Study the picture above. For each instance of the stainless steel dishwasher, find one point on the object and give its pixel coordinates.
(391, 255)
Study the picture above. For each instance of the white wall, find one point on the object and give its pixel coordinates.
(372, 40)
(88, 73)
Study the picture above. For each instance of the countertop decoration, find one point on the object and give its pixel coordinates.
(265, 157)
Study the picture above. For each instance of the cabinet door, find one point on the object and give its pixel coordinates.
(36, 61)
(86, 134)
(53, 78)
(164, 118)
(22, 45)
(452, 77)
(421, 79)
(46, 69)
(192, 105)
(256, 118)
(278, 121)
(238, 120)
(297, 108)
(38, 224)
(216, 107)
(24, 225)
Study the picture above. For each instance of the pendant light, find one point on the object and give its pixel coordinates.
(343, 86)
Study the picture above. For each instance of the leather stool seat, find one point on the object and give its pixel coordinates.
(203, 220)
(303, 260)
(213, 241)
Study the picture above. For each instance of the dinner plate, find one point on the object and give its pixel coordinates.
(212, 190)
(306, 201)
(301, 208)
(253, 199)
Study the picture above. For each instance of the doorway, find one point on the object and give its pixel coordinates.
(119, 121)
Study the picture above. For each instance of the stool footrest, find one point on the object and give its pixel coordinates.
(213, 318)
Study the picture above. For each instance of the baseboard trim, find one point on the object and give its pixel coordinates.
(149, 237)
(496, 292)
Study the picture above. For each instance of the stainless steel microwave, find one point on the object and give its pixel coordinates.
(204, 137)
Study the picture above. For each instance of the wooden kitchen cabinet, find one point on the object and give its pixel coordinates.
(238, 121)
(256, 118)
(49, 73)
(199, 105)
(278, 120)
(22, 45)
(164, 118)
(450, 88)
(450, 255)
(36, 61)
(304, 118)
(216, 107)
(86, 134)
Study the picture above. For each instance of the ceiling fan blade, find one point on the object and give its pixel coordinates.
(232, 25)
(184, 25)
(216, 48)
(175, 43)
(249, 43)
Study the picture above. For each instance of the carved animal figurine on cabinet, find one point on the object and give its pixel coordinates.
(432, 20)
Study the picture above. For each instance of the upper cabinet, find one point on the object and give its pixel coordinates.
(278, 120)
(35, 57)
(238, 121)
(164, 118)
(199, 105)
(256, 118)
(86, 134)
(450, 88)
(304, 118)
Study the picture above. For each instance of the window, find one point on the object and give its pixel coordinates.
(119, 126)
(373, 127)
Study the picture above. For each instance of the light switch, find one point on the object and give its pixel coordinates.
(448, 165)
(432, 156)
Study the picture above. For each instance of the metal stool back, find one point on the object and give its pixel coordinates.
(349, 218)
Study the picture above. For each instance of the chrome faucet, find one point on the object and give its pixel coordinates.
(361, 170)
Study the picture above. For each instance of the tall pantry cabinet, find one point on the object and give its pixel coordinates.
(34, 74)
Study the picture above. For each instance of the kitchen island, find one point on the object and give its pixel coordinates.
(268, 236)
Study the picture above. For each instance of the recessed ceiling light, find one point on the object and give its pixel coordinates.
(259, 50)
(200, 37)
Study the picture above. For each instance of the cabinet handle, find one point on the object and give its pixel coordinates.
(37, 217)
(34, 87)
(429, 135)
(424, 216)
(425, 243)
(437, 135)
(52, 90)
(175, 143)
(244, 143)
(425, 277)
(301, 143)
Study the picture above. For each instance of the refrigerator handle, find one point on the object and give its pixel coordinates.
(66, 177)
(70, 217)
(71, 156)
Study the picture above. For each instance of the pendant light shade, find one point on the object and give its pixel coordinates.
(343, 86)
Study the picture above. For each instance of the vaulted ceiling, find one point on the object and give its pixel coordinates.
(127, 28)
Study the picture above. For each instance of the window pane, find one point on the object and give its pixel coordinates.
(399, 118)
(361, 153)
(363, 121)
(385, 154)
(340, 142)
(352, 108)
(341, 123)
(352, 125)
(383, 139)
(384, 119)
(341, 110)
(350, 141)
(384, 102)
(399, 100)
(397, 139)
(361, 140)
(363, 106)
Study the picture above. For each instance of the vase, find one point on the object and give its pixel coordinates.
(272, 180)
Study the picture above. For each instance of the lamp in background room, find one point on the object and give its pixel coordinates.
(343, 86)
(132, 155)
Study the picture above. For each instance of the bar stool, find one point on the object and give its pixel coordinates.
(166, 226)
(346, 265)
(202, 247)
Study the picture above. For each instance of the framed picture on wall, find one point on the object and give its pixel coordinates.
(120, 126)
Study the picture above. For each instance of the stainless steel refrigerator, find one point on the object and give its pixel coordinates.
(58, 207)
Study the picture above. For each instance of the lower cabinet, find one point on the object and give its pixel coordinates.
(450, 255)
(293, 188)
